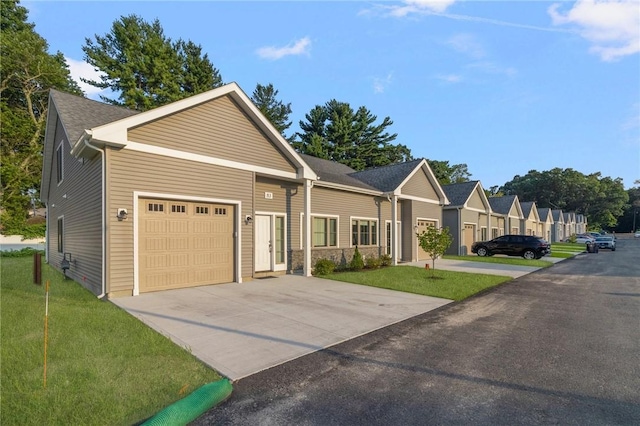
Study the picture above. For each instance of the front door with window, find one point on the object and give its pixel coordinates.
(269, 242)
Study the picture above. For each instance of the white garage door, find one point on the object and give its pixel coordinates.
(184, 244)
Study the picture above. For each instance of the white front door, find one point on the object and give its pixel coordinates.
(263, 243)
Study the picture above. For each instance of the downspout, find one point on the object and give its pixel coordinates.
(460, 231)
(103, 216)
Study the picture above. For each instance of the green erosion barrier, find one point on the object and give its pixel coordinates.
(192, 406)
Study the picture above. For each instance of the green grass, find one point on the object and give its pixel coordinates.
(568, 247)
(505, 260)
(410, 279)
(104, 367)
(562, 254)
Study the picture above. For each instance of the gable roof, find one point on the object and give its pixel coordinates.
(545, 214)
(502, 205)
(460, 193)
(387, 178)
(334, 172)
(557, 215)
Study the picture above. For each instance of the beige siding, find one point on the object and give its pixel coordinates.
(326, 201)
(78, 199)
(475, 201)
(418, 211)
(130, 171)
(419, 186)
(218, 129)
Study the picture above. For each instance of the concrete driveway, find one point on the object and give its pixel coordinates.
(241, 329)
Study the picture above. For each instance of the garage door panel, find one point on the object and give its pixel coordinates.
(422, 226)
(184, 245)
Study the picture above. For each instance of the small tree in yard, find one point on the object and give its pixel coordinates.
(435, 242)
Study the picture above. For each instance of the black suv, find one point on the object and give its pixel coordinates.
(527, 246)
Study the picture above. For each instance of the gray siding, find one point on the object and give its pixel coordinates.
(78, 199)
(130, 171)
(218, 129)
(450, 220)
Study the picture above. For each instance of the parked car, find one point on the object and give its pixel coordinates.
(595, 234)
(606, 242)
(527, 246)
(637, 234)
(585, 238)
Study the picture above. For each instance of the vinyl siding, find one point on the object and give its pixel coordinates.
(288, 198)
(78, 199)
(450, 220)
(217, 128)
(419, 186)
(130, 171)
(418, 210)
(326, 201)
(475, 201)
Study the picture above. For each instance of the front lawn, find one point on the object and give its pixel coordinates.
(104, 367)
(438, 283)
(506, 260)
(568, 247)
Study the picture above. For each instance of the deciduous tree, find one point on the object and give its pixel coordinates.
(434, 242)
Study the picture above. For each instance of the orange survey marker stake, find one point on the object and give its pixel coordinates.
(46, 330)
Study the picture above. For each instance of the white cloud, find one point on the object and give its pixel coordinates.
(450, 78)
(380, 84)
(82, 69)
(467, 43)
(612, 26)
(419, 6)
(299, 47)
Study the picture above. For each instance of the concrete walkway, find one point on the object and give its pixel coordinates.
(472, 266)
(241, 329)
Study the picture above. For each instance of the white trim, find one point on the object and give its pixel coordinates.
(358, 218)
(414, 198)
(348, 188)
(432, 180)
(275, 266)
(398, 251)
(183, 155)
(238, 231)
(473, 209)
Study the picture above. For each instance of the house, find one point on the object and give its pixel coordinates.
(569, 224)
(468, 216)
(205, 190)
(581, 224)
(546, 223)
(531, 223)
(508, 208)
(558, 229)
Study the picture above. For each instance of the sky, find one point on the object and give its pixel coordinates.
(504, 87)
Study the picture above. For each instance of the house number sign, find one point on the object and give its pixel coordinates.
(268, 195)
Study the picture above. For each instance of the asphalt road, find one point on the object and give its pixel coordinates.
(558, 346)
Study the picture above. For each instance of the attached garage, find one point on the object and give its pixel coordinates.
(422, 226)
(184, 244)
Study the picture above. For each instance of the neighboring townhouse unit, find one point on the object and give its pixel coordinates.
(569, 224)
(508, 207)
(205, 190)
(531, 223)
(468, 217)
(581, 223)
(557, 231)
(546, 223)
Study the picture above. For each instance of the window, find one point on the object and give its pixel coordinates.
(202, 210)
(364, 232)
(494, 233)
(483, 234)
(324, 232)
(220, 211)
(279, 239)
(155, 207)
(178, 208)
(60, 235)
(60, 162)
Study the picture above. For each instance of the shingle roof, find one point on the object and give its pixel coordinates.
(459, 193)
(557, 215)
(503, 204)
(544, 213)
(526, 207)
(78, 113)
(334, 172)
(387, 178)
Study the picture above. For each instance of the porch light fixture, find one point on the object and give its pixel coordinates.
(122, 214)
(248, 219)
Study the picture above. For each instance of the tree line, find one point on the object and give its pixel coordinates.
(143, 68)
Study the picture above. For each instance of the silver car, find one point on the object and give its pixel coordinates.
(606, 243)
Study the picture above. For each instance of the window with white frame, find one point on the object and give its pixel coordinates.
(61, 235)
(364, 232)
(60, 162)
(324, 231)
(483, 233)
(494, 233)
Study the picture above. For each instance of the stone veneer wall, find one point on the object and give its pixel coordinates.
(340, 256)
